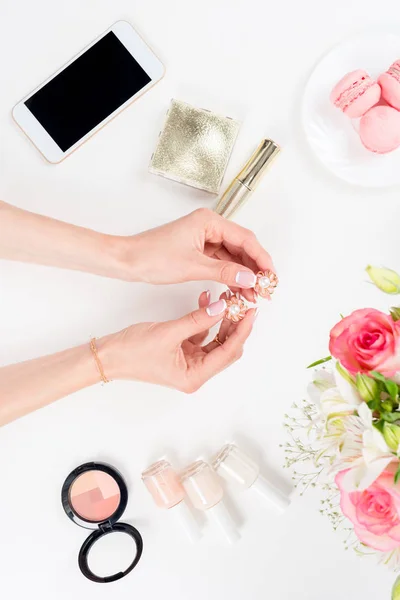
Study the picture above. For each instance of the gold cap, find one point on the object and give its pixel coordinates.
(255, 168)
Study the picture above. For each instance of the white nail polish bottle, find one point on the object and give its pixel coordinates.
(205, 492)
(233, 465)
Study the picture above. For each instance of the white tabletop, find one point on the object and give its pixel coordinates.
(248, 59)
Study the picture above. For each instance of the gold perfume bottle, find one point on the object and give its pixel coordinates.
(194, 147)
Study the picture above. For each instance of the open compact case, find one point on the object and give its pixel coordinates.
(95, 496)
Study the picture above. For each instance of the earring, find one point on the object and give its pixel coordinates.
(236, 308)
(266, 284)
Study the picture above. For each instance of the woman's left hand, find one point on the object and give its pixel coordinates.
(198, 247)
(172, 353)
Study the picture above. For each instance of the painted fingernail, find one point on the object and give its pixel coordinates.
(245, 279)
(216, 308)
(208, 295)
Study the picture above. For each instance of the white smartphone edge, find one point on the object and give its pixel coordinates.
(37, 134)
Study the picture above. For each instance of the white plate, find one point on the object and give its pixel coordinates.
(333, 136)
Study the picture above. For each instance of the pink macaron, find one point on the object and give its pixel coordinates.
(380, 129)
(355, 94)
(390, 84)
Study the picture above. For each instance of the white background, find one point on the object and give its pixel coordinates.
(250, 60)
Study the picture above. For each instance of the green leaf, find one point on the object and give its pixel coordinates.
(391, 417)
(341, 316)
(373, 404)
(378, 376)
(392, 389)
(395, 313)
(396, 479)
(387, 406)
(319, 362)
(379, 425)
(390, 385)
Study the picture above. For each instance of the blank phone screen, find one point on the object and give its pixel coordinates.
(87, 91)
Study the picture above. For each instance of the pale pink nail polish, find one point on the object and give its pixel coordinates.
(167, 491)
(216, 308)
(246, 279)
(208, 296)
(205, 491)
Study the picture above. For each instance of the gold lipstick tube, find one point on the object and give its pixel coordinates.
(247, 180)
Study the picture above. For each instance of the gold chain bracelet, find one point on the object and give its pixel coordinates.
(97, 360)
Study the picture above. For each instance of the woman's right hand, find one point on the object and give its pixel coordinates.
(171, 354)
(201, 246)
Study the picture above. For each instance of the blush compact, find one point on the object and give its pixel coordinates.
(95, 496)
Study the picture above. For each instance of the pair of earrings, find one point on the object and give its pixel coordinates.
(236, 307)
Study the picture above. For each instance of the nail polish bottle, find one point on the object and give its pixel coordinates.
(167, 491)
(205, 492)
(233, 465)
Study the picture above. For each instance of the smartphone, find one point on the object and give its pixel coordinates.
(87, 92)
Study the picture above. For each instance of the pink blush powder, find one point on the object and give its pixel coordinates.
(94, 496)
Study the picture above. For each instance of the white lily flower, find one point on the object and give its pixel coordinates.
(375, 457)
(331, 402)
(333, 393)
(347, 391)
(350, 437)
(323, 379)
(343, 437)
(352, 442)
(365, 414)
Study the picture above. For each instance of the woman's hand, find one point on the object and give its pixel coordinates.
(171, 353)
(200, 246)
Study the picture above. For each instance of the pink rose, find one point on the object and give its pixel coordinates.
(367, 340)
(375, 512)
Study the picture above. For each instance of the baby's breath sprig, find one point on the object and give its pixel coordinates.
(296, 451)
(303, 481)
(330, 507)
(302, 424)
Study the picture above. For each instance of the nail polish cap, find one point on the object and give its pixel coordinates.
(270, 494)
(220, 515)
(186, 520)
(233, 465)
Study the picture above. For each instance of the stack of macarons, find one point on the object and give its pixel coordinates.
(376, 103)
